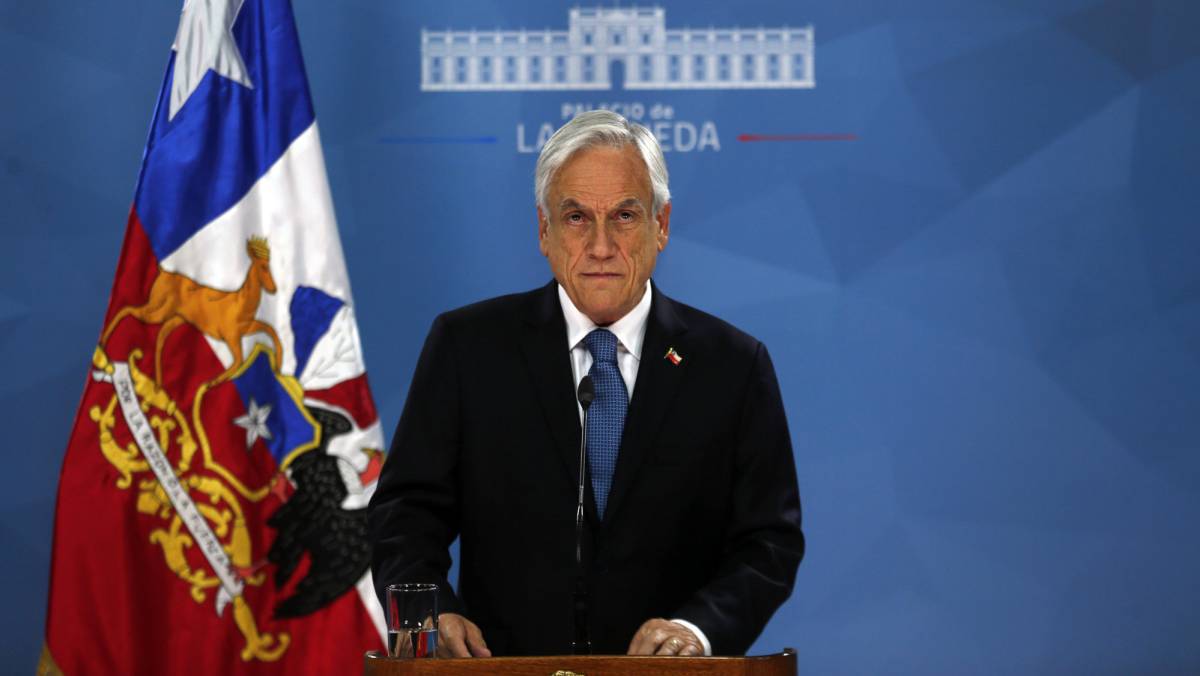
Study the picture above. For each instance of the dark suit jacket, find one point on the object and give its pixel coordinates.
(703, 519)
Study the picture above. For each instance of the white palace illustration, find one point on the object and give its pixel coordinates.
(611, 46)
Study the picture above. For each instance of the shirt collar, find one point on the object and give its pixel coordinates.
(630, 330)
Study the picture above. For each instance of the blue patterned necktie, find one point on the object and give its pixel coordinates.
(606, 416)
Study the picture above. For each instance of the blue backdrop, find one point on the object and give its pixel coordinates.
(971, 248)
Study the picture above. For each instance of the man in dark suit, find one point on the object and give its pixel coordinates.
(692, 535)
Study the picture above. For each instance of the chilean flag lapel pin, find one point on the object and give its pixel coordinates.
(673, 356)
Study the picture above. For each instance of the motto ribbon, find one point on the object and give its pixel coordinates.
(143, 435)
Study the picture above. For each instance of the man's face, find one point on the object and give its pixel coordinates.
(600, 237)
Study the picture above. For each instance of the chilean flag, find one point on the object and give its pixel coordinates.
(211, 506)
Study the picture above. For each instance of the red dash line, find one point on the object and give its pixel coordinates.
(751, 138)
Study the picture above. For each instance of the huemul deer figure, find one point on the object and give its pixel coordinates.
(224, 315)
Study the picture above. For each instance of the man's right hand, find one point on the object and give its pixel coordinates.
(459, 637)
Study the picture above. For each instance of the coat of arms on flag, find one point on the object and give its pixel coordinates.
(211, 508)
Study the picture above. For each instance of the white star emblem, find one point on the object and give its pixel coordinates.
(255, 423)
(204, 42)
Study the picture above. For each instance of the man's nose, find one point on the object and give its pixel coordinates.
(600, 242)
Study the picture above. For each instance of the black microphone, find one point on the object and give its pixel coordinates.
(582, 644)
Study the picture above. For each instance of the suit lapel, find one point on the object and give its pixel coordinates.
(657, 383)
(549, 362)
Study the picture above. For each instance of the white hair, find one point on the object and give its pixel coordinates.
(601, 128)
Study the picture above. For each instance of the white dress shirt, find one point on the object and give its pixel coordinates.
(630, 331)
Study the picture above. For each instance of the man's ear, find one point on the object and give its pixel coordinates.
(664, 226)
(543, 231)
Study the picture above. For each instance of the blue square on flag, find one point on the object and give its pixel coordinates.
(273, 413)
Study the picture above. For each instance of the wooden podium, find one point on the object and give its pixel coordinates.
(783, 664)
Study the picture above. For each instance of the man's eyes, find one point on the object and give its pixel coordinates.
(623, 217)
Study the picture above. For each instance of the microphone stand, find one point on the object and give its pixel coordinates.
(581, 644)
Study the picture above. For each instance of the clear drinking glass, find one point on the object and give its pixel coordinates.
(412, 620)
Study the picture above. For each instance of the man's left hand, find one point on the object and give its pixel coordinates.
(664, 637)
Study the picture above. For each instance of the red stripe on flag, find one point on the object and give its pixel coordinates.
(116, 605)
(353, 395)
(136, 269)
